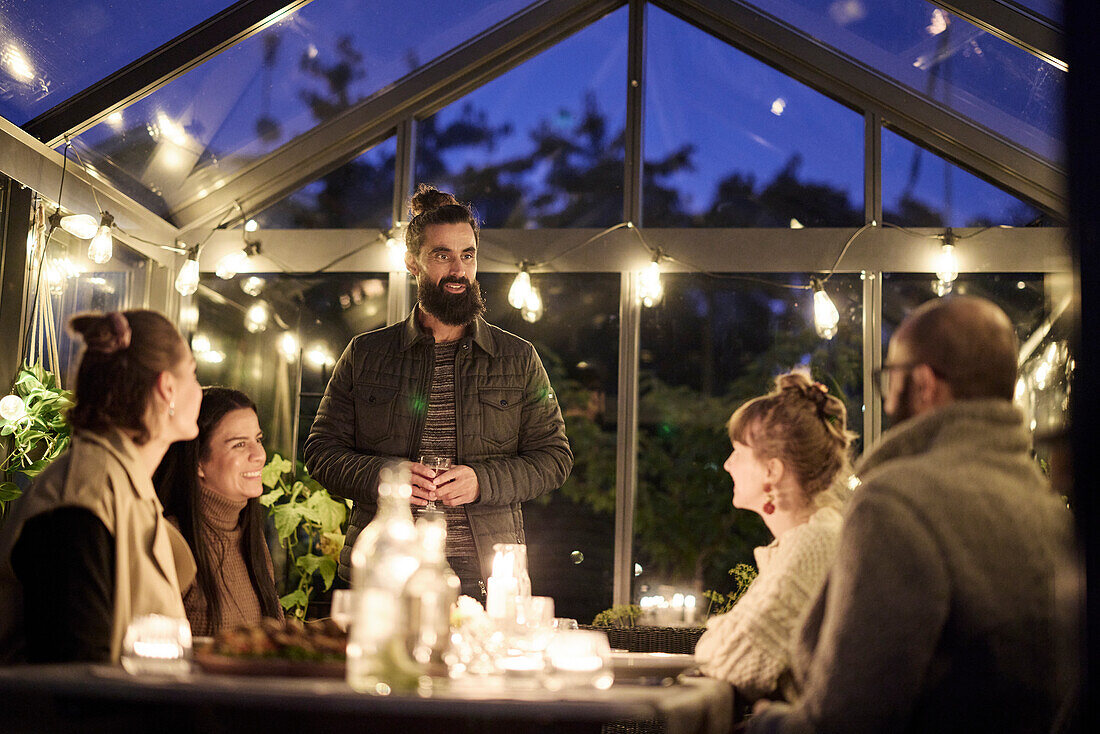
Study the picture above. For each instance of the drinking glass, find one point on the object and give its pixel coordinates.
(578, 658)
(157, 645)
(343, 601)
(561, 624)
(439, 464)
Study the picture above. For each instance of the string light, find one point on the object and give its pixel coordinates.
(521, 288)
(187, 282)
(826, 317)
(13, 409)
(101, 247)
(395, 246)
(947, 265)
(253, 285)
(288, 345)
(81, 226)
(256, 318)
(650, 289)
(532, 309)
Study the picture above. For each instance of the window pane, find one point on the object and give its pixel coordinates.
(707, 347)
(52, 50)
(223, 115)
(731, 142)
(542, 145)
(72, 283)
(1052, 9)
(358, 195)
(321, 313)
(921, 189)
(570, 533)
(941, 57)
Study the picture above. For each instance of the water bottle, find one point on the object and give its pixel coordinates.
(432, 591)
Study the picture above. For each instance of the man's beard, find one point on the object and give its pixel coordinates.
(453, 309)
(904, 410)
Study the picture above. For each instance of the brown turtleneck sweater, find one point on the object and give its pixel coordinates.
(222, 534)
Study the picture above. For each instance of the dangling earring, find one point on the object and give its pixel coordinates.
(769, 506)
(171, 409)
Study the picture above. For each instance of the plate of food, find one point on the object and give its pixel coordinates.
(659, 665)
(274, 647)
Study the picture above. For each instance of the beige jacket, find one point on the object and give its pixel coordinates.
(100, 473)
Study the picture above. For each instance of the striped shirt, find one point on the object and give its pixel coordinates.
(440, 439)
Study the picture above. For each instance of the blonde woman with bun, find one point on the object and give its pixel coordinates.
(87, 549)
(789, 465)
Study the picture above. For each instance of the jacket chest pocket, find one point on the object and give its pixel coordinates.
(374, 411)
(500, 416)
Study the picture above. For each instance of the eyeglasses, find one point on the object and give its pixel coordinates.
(881, 376)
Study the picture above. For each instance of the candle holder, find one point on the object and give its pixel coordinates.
(509, 579)
(579, 658)
(157, 645)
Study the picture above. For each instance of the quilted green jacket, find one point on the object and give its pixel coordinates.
(509, 426)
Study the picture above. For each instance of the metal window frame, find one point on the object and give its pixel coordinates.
(1034, 33)
(158, 67)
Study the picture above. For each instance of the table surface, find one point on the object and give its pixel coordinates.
(692, 705)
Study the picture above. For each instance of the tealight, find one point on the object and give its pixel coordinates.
(158, 645)
(579, 658)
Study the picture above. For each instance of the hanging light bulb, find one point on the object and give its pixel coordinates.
(395, 246)
(187, 282)
(255, 319)
(200, 344)
(521, 288)
(81, 226)
(532, 306)
(253, 285)
(12, 408)
(650, 289)
(947, 265)
(101, 247)
(318, 356)
(230, 264)
(826, 317)
(288, 345)
(251, 225)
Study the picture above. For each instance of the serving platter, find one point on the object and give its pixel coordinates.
(281, 667)
(660, 665)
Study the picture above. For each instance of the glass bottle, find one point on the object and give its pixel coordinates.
(385, 555)
(432, 591)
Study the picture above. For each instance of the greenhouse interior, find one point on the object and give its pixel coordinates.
(678, 201)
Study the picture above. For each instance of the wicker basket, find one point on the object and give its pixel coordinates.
(652, 639)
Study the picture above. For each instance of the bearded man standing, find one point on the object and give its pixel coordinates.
(443, 383)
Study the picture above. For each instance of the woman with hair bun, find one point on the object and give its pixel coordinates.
(789, 465)
(87, 549)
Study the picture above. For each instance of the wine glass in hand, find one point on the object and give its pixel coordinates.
(438, 464)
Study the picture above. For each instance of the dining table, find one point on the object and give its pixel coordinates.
(97, 698)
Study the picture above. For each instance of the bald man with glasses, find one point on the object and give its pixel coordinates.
(951, 601)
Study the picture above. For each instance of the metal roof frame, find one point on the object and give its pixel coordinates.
(541, 25)
(158, 67)
(1034, 33)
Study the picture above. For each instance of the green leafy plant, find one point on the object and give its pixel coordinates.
(720, 603)
(39, 432)
(620, 615)
(310, 525)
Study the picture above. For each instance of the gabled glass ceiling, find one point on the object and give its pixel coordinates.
(197, 130)
(1052, 9)
(945, 59)
(51, 50)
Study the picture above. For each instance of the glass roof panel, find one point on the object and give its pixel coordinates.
(1052, 9)
(541, 145)
(732, 142)
(357, 195)
(945, 59)
(49, 51)
(921, 189)
(266, 90)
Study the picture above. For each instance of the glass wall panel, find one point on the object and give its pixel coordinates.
(711, 344)
(1052, 9)
(570, 533)
(731, 142)
(357, 195)
(542, 145)
(939, 56)
(219, 117)
(921, 189)
(49, 51)
(309, 321)
(71, 283)
(1023, 296)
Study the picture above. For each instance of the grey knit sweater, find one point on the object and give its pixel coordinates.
(941, 612)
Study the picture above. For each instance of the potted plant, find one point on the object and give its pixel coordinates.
(34, 416)
(310, 524)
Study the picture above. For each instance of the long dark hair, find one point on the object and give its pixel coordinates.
(177, 483)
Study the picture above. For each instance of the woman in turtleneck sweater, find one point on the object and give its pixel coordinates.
(210, 488)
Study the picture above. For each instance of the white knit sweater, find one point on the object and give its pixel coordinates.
(750, 645)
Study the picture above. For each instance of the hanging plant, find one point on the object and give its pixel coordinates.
(310, 525)
(34, 416)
